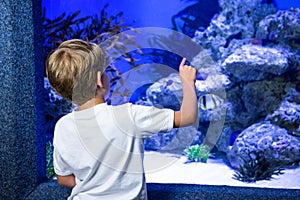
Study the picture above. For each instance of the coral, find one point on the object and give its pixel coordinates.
(256, 168)
(197, 153)
(274, 143)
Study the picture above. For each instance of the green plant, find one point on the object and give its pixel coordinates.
(256, 167)
(197, 153)
(49, 160)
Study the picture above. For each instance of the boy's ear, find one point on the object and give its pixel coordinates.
(99, 81)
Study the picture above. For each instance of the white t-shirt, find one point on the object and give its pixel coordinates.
(103, 147)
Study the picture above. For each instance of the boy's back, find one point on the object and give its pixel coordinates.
(103, 147)
(98, 150)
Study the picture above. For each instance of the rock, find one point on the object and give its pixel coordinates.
(250, 104)
(211, 78)
(175, 141)
(167, 92)
(276, 145)
(157, 141)
(232, 47)
(254, 62)
(183, 138)
(236, 113)
(263, 97)
(282, 30)
(293, 95)
(238, 20)
(282, 27)
(288, 114)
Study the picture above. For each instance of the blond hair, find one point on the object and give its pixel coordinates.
(72, 70)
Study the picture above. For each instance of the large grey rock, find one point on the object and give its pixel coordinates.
(249, 104)
(282, 27)
(252, 102)
(255, 62)
(282, 30)
(263, 97)
(276, 145)
(237, 20)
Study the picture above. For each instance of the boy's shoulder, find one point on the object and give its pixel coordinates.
(64, 120)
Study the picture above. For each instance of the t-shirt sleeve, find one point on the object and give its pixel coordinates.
(150, 120)
(61, 168)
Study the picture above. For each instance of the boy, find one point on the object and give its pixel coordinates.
(98, 149)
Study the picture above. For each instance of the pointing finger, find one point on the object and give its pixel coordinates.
(182, 62)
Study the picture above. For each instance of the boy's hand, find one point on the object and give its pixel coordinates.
(187, 115)
(187, 73)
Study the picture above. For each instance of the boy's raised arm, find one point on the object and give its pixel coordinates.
(189, 110)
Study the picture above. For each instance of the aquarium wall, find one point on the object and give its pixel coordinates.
(247, 57)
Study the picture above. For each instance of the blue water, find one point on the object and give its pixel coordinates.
(138, 13)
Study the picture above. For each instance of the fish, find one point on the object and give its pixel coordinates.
(256, 41)
(210, 101)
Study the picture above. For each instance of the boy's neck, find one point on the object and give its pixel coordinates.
(91, 103)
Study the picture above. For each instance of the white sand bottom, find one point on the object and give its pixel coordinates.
(168, 168)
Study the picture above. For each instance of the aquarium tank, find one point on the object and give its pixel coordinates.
(247, 56)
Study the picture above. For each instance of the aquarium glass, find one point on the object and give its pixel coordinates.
(247, 57)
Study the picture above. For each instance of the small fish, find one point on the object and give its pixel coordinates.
(256, 41)
(210, 101)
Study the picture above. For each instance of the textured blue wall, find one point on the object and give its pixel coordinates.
(22, 151)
